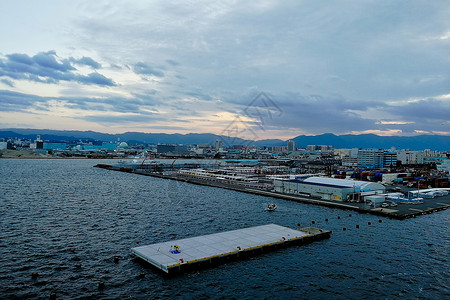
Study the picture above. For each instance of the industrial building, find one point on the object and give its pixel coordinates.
(163, 148)
(328, 188)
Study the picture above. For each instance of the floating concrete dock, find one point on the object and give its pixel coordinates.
(187, 254)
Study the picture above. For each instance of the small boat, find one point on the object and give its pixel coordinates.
(271, 207)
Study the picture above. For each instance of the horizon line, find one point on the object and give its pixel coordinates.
(243, 138)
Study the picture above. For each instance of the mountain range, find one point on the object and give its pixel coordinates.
(419, 142)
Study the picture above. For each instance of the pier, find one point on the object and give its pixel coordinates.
(192, 253)
(401, 212)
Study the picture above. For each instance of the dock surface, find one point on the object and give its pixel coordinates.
(210, 248)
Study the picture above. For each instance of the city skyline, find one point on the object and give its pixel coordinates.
(198, 67)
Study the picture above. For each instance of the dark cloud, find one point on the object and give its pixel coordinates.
(86, 61)
(144, 69)
(312, 113)
(318, 114)
(426, 114)
(7, 82)
(95, 78)
(14, 101)
(432, 109)
(172, 62)
(20, 58)
(17, 102)
(44, 67)
(48, 60)
(102, 119)
(198, 95)
(169, 127)
(114, 66)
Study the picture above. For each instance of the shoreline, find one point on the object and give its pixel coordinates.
(398, 213)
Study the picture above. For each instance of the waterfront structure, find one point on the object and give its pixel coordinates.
(370, 158)
(349, 161)
(102, 147)
(408, 157)
(5, 145)
(54, 146)
(184, 254)
(444, 166)
(328, 188)
(163, 148)
(219, 145)
(341, 153)
(389, 159)
(38, 143)
(277, 148)
(376, 158)
(434, 159)
(291, 146)
(322, 148)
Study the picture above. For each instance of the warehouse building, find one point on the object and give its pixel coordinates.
(328, 188)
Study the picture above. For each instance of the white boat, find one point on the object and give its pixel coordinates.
(271, 207)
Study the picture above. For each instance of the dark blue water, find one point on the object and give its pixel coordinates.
(56, 214)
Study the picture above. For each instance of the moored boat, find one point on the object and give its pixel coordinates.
(271, 207)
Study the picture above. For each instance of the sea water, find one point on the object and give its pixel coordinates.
(66, 221)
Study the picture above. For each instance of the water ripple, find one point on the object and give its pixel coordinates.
(66, 220)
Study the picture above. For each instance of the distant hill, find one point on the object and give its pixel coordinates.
(129, 137)
(420, 142)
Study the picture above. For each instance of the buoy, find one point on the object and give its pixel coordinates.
(349, 215)
(34, 275)
(344, 229)
(313, 222)
(116, 259)
(298, 224)
(326, 220)
(368, 223)
(357, 226)
(137, 242)
(339, 217)
(101, 285)
(379, 221)
(52, 296)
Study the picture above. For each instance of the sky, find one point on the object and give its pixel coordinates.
(272, 69)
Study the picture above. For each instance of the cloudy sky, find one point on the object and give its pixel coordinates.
(277, 68)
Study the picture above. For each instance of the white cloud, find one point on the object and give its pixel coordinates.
(394, 122)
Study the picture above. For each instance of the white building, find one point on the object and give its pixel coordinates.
(328, 188)
(3, 145)
(410, 157)
(445, 166)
